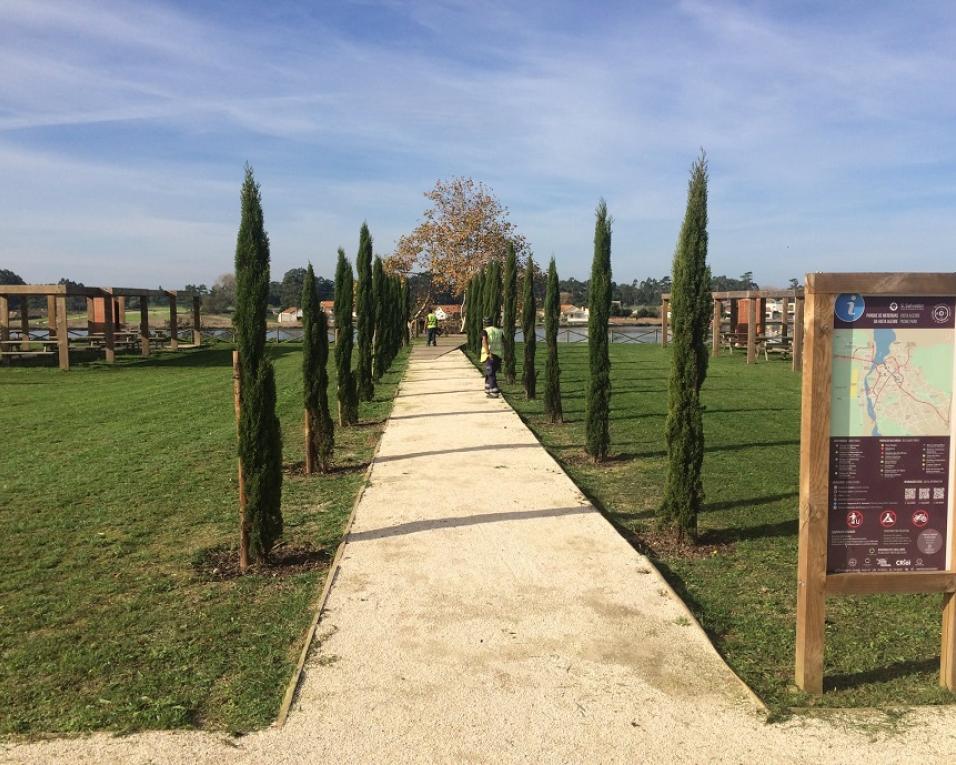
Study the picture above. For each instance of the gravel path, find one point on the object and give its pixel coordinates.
(485, 612)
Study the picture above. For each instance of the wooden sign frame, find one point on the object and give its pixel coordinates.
(814, 585)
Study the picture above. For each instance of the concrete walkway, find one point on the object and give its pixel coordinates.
(485, 612)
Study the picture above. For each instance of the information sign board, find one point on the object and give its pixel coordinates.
(877, 451)
(890, 449)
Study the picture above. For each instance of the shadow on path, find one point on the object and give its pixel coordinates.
(439, 452)
(449, 414)
(414, 527)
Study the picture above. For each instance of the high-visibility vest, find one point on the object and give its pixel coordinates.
(495, 336)
(432, 321)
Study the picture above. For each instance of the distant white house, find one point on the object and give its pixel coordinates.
(290, 315)
(571, 314)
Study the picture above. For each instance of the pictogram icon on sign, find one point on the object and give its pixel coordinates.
(854, 519)
(887, 519)
(941, 313)
(920, 518)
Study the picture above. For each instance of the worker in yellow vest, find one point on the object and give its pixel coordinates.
(491, 352)
(431, 324)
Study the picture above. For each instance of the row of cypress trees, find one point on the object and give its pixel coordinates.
(383, 313)
(691, 315)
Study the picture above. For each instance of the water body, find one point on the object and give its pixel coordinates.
(883, 339)
(574, 334)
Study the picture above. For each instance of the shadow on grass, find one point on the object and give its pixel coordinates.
(881, 674)
(297, 469)
(625, 456)
(749, 501)
(730, 535)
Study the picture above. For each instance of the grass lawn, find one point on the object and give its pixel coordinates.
(114, 483)
(881, 651)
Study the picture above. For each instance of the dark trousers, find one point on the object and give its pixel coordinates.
(492, 365)
(432, 331)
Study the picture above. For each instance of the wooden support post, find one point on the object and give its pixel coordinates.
(24, 323)
(798, 335)
(783, 317)
(243, 521)
(144, 326)
(197, 320)
(121, 311)
(751, 330)
(761, 317)
(947, 660)
(947, 663)
(814, 492)
(4, 320)
(715, 329)
(109, 346)
(51, 315)
(309, 447)
(62, 332)
(734, 315)
(665, 308)
(89, 316)
(173, 324)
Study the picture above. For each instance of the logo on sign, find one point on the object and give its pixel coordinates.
(887, 519)
(854, 519)
(920, 519)
(849, 306)
(941, 313)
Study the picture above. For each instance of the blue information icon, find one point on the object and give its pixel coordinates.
(849, 306)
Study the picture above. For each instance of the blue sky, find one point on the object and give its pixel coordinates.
(124, 127)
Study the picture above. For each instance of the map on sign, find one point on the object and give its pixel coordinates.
(892, 372)
(892, 382)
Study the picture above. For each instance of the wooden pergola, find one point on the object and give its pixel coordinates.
(755, 310)
(106, 309)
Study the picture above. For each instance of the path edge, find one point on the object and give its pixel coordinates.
(296, 680)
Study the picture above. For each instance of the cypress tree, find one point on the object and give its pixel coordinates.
(347, 392)
(380, 309)
(479, 310)
(398, 314)
(598, 402)
(406, 313)
(529, 315)
(326, 428)
(552, 372)
(392, 319)
(510, 285)
(315, 357)
(366, 315)
(690, 310)
(492, 291)
(260, 437)
(474, 309)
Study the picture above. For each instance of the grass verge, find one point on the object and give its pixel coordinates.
(882, 651)
(118, 485)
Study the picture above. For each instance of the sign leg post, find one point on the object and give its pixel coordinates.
(947, 662)
(814, 494)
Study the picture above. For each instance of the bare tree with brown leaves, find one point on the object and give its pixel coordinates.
(465, 228)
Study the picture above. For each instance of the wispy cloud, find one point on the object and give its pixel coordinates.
(814, 122)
